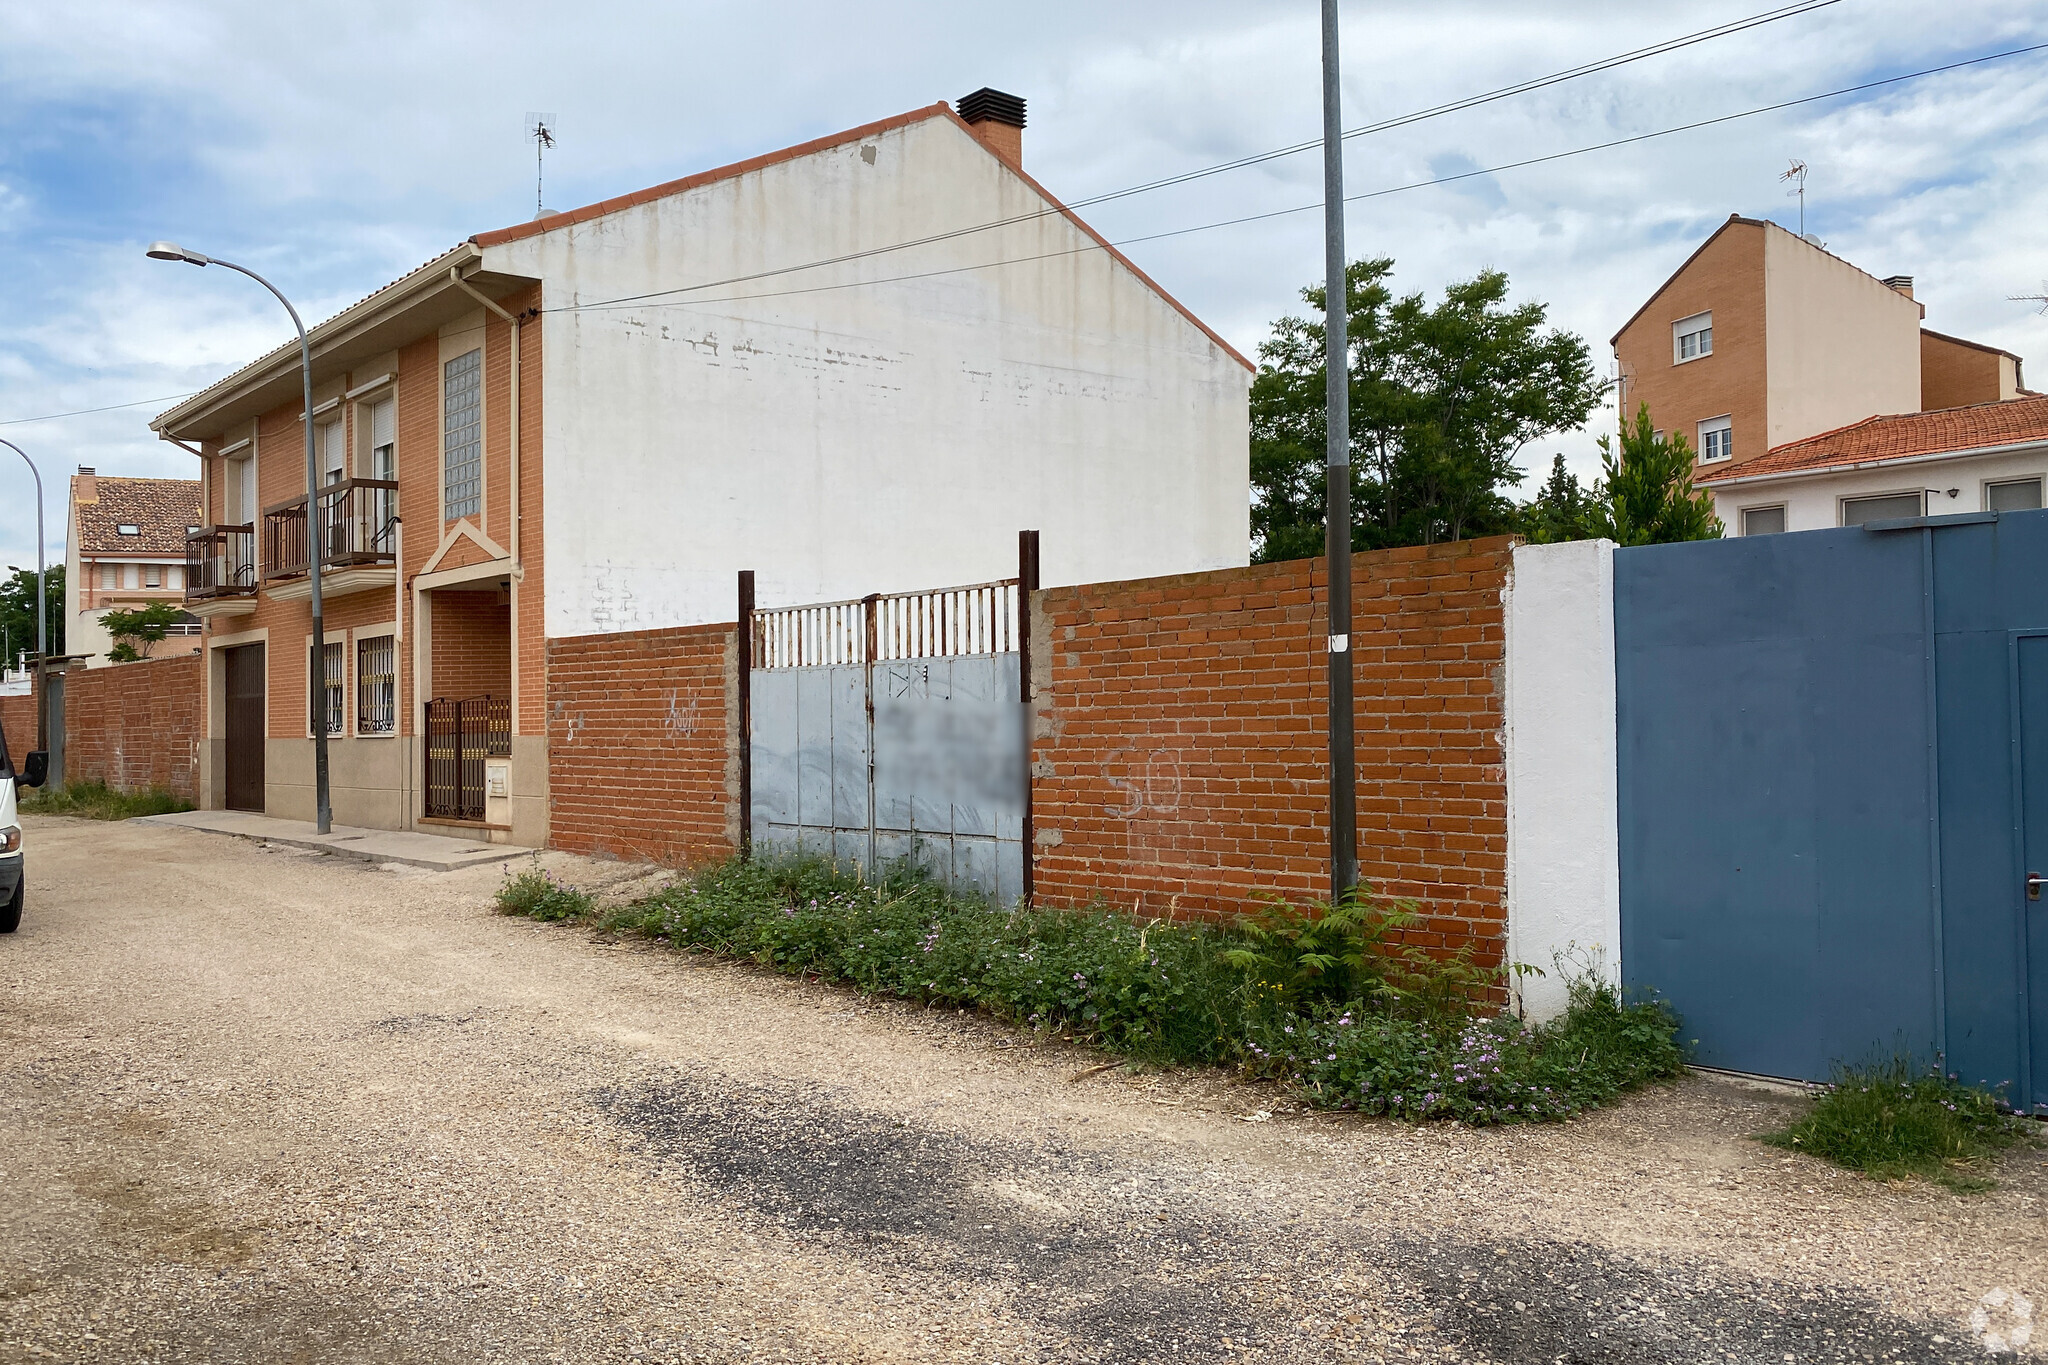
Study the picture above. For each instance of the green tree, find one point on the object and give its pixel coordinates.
(18, 612)
(1647, 497)
(139, 630)
(1442, 399)
(1561, 509)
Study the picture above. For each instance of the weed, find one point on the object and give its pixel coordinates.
(1890, 1120)
(539, 894)
(92, 799)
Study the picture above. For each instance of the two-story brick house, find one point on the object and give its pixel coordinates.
(124, 548)
(856, 365)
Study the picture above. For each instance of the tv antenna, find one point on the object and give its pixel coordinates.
(2040, 298)
(540, 130)
(1797, 173)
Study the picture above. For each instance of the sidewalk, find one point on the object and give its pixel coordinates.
(375, 845)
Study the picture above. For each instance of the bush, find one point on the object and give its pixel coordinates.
(1324, 999)
(93, 799)
(1892, 1120)
(539, 894)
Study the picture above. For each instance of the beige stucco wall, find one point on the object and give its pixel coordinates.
(1839, 345)
(1813, 501)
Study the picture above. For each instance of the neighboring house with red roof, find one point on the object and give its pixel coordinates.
(125, 548)
(857, 365)
(1988, 457)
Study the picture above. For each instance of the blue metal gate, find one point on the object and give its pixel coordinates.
(1833, 754)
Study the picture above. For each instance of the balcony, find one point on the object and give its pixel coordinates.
(220, 570)
(357, 521)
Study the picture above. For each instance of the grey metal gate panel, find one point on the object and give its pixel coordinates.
(888, 729)
(1817, 776)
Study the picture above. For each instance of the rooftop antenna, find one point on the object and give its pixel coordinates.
(2040, 298)
(540, 129)
(1798, 173)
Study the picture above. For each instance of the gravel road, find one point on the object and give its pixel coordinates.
(260, 1105)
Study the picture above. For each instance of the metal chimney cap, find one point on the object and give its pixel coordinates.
(992, 106)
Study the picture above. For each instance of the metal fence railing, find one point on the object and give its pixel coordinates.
(980, 618)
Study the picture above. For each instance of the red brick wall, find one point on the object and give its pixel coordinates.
(643, 737)
(136, 725)
(1180, 757)
(18, 723)
(472, 644)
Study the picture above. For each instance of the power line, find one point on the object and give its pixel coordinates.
(1385, 125)
(85, 412)
(1306, 208)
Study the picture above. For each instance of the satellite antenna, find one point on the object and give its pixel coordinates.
(2040, 298)
(1798, 173)
(540, 130)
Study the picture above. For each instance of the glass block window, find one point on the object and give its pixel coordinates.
(333, 662)
(376, 686)
(462, 436)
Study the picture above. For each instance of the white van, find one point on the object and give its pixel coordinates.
(13, 884)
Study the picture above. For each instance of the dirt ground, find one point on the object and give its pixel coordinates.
(259, 1105)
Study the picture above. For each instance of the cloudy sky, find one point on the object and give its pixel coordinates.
(334, 147)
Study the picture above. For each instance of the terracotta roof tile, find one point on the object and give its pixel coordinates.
(2015, 421)
(160, 510)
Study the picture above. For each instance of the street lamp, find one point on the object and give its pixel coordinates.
(42, 610)
(315, 676)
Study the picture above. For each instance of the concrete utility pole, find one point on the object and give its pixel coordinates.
(1337, 478)
(316, 664)
(42, 610)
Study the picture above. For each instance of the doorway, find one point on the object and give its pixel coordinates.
(246, 727)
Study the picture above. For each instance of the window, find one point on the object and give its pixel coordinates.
(1886, 507)
(1717, 439)
(1763, 521)
(376, 686)
(174, 576)
(126, 530)
(379, 423)
(110, 575)
(331, 674)
(1692, 338)
(333, 453)
(152, 576)
(131, 576)
(242, 492)
(2012, 495)
(462, 436)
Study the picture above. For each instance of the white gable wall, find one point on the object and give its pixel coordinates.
(885, 437)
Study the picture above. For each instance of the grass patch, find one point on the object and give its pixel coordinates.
(1325, 1000)
(539, 894)
(95, 800)
(1891, 1121)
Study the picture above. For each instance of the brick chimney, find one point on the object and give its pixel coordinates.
(86, 486)
(998, 120)
(1902, 283)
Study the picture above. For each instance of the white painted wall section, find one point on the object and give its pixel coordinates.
(883, 424)
(1564, 861)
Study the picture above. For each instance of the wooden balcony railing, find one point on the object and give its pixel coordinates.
(220, 561)
(357, 520)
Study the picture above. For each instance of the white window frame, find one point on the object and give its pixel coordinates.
(332, 440)
(1695, 325)
(1778, 507)
(2035, 479)
(1842, 503)
(155, 571)
(1716, 425)
(366, 432)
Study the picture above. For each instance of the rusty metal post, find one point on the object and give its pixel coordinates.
(1027, 584)
(746, 700)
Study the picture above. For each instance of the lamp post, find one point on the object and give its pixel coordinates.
(1337, 479)
(42, 610)
(316, 688)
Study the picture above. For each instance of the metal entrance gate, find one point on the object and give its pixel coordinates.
(1833, 763)
(461, 734)
(888, 728)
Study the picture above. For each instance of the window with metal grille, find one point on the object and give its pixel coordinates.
(462, 436)
(376, 686)
(334, 662)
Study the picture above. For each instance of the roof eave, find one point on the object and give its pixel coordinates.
(205, 413)
(1885, 462)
